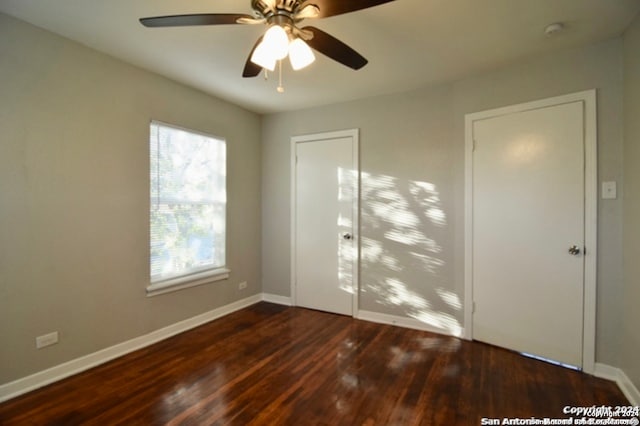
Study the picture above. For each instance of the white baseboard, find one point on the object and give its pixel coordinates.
(400, 322)
(59, 372)
(624, 382)
(274, 298)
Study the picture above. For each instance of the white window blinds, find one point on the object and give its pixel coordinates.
(188, 202)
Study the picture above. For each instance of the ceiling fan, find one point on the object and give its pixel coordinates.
(283, 37)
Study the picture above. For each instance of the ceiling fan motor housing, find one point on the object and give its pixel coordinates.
(267, 8)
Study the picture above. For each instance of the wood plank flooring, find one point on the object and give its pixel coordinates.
(275, 365)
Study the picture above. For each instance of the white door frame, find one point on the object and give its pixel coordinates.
(590, 211)
(317, 137)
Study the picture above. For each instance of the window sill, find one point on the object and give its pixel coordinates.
(187, 281)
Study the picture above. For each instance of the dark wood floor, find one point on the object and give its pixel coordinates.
(273, 365)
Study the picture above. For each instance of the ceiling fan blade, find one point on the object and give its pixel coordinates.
(338, 7)
(196, 19)
(335, 49)
(251, 69)
(251, 21)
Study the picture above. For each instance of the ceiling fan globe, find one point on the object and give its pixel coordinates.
(262, 57)
(276, 41)
(300, 54)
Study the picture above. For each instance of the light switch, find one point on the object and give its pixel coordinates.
(609, 190)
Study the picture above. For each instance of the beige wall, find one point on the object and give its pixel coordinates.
(416, 140)
(631, 324)
(74, 198)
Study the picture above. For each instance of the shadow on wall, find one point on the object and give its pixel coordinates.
(403, 261)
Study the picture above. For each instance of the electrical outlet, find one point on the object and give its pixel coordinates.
(609, 190)
(47, 340)
(242, 285)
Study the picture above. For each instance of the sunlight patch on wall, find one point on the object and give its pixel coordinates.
(437, 216)
(402, 257)
(450, 298)
(344, 222)
(429, 199)
(412, 237)
(346, 183)
(439, 320)
(399, 294)
(371, 250)
(429, 263)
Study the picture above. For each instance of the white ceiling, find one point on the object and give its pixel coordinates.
(409, 43)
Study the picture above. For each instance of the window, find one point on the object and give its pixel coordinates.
(188, 208)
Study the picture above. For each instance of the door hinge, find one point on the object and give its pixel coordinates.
(473, 148)
(473, 308)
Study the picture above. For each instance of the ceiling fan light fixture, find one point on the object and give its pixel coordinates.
(262, 56)
(282, 18)
(300, 54)
(276, 41)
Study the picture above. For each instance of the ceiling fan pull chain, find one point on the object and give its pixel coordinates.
(280, 88)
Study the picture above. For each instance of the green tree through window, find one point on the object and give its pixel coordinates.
(188, 202)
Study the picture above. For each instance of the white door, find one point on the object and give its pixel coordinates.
(529, 231)
(325, 190)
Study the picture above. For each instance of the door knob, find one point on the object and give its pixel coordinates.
(574, 250)
(347, 236)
